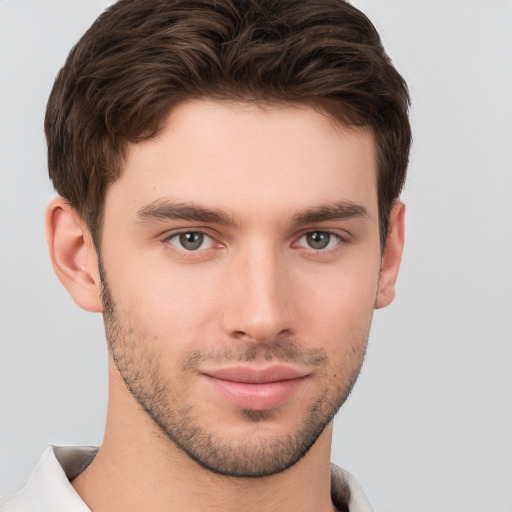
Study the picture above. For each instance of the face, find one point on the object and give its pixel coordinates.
(241, 259)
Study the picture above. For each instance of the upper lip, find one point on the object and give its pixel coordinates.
(254, 375)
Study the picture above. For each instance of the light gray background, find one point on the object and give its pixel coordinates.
(429, 425)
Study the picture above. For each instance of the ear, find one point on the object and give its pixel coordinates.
(392, 256)
(73, 255)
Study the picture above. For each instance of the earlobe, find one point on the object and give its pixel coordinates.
(391, 257)
(73, 254)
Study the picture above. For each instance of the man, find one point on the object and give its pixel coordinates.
(228, 177)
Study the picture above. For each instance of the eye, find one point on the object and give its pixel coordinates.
(319, 240)
(191, 240)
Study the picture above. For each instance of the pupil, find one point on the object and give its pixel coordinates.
(191, 241)
(318, 240)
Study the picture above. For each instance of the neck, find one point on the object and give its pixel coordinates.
(138, 468)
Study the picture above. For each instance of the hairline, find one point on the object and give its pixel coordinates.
(314, 103)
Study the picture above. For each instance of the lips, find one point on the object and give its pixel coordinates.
(256, 388)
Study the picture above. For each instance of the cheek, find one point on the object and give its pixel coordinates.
(341, 313)
(183, 300)
(168, 304)
(346, 294)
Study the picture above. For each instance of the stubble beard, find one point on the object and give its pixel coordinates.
(138, 365)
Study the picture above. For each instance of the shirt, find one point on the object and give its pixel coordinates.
(48, 488)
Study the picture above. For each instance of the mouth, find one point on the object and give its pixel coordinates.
(256, 389)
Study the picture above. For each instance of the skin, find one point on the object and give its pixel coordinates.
(255, 292)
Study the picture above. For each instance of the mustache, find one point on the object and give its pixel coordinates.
(278, 350)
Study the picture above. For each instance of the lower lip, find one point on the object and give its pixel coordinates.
(257, 397)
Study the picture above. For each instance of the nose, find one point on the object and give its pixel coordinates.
(258, 294)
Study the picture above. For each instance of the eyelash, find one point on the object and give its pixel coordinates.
(340, 240)
(168, 239)
(331, 237)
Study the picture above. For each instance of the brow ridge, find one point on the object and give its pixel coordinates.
(163, 209)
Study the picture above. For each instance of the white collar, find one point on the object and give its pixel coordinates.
(49, 490)
(48, 487)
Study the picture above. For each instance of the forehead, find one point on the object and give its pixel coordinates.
(246, 156)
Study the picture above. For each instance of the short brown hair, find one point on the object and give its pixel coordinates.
(141, 57)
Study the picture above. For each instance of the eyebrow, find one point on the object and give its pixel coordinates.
(164, 209)
(336, 211)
